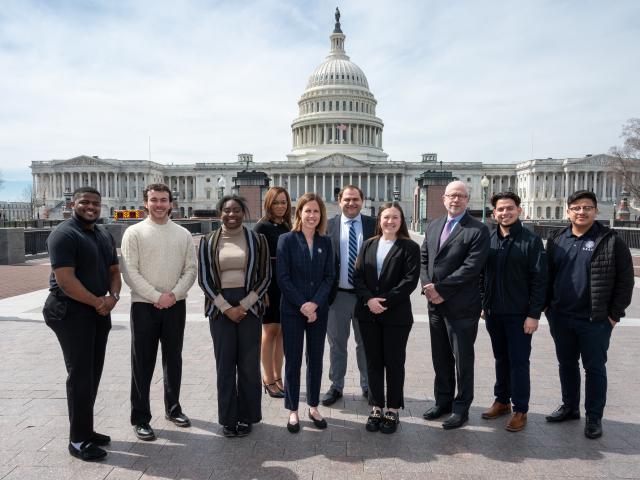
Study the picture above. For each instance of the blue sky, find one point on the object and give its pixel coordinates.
(492, 81)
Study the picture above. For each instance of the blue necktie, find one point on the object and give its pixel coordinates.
(353, 250)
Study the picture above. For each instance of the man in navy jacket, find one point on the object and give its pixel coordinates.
(513, 293)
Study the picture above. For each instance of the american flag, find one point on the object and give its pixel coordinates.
(342, 127)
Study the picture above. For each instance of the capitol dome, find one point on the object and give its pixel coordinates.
(337, 111)
(337, 70)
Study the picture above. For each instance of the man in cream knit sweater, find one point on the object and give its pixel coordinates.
(159, 265)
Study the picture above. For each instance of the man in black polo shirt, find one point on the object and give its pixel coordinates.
(85, 269)
(590, 286)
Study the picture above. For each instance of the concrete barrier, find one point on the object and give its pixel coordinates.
(11, 246)
(117, 231)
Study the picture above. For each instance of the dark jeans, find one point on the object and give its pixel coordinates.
(386, 350)
(511, 349)
(577, 338)
(453, 355)
(82, 335)
(236, 347)
(150, 326)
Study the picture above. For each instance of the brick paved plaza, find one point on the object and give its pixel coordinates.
(34, 435)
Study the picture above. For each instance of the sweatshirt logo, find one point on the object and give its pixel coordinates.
(589, 246)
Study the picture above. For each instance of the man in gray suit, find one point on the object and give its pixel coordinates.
(347, 231)
(453, 255)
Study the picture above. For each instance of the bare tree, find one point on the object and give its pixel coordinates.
(28, 195)
(628, 157)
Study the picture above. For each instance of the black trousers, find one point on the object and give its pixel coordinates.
(150, 326)
(236, 347)
(578, 338)
(511, 350)
(82, 335)
(385, 348)
(294, 329)
(453, 355)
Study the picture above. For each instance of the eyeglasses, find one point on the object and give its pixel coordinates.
(584, 208)
(456, 195)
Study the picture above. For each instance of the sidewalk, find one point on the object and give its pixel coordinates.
(33, 416)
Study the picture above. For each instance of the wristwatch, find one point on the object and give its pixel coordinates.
(116, 295)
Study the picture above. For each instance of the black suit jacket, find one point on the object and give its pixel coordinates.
(398, 279)
(455, 267)
(303, 278)
(333, 231)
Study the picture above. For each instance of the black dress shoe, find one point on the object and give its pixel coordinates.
(88, 452)
(100, 439)
(331, 397)
(435, 412)
(230, 431)
(374, 420)
(293, 427)
(455, 420)
(593, 428)
(390, 422)
(144, 432)
(243, 429)
(319, 424)
(563, 413)
(181, 420)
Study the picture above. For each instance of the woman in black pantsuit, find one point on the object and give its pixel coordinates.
(387, 271)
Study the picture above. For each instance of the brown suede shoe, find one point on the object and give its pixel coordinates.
(496, 410)
(517, 422)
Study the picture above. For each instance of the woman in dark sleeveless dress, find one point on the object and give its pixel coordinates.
(276, 221)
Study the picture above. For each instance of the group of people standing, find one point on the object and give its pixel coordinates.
(281, 289)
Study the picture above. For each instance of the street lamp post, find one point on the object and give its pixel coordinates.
(484, 183)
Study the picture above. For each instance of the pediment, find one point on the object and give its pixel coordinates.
(601, 160)
(337, 160)
(85, 160)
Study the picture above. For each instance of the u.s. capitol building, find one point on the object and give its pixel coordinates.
(337, 139)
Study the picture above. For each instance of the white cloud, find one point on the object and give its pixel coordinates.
(472, 81)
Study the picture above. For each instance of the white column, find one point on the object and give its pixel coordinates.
(395, 182)
(604, 186)
(575, 183)
(595, 183)
(377, 187)
(614, 190)
(306, 183)
(324, 187)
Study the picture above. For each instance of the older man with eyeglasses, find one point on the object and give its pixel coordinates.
(589, 287)
(453, 255)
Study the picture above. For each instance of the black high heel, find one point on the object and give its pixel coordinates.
(273, 394)
(278, 386)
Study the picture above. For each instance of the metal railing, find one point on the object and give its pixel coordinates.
(35, 241)
(29, 223)
(631, 236)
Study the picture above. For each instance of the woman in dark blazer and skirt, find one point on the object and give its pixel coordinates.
(305, 273)
(387, 271)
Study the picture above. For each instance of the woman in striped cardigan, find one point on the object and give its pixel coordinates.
(234, 273)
